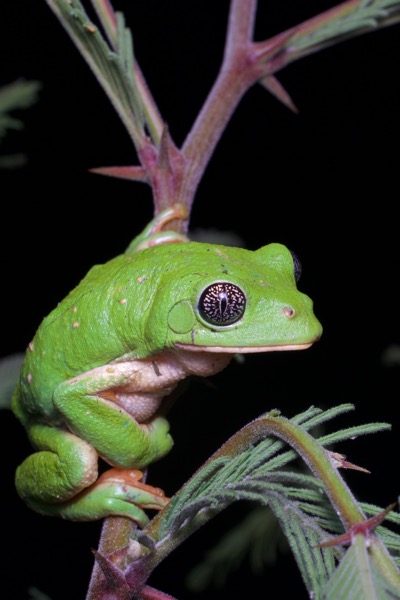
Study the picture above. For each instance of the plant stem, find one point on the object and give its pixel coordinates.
(234, 79)
(153, 119)
(338, 492)
(116, 533)
(106, 15)
(317, 459)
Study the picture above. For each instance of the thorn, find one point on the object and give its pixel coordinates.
(339, 460)
(115, 578)
(274, 87)
(133, 173)
(271, 47)
(149, 593)
(363, 527)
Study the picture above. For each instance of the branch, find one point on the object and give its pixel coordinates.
(245, 63)
(338, 24)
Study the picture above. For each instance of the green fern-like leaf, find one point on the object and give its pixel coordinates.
(10, 367)
(14, 96)
(262, 473)
(347, 21)
(17, 95)
(358, 577)
(257, 539)
(112, 62)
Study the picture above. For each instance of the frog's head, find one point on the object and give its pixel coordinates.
(231, 300)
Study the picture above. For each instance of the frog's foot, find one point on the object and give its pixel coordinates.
(118, 492)
(130, 479)
(155, 232)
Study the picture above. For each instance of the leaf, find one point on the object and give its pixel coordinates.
(36, 594)
(256, 538)
(244, 469)
(17, 95)
(20, 94)
(344, 21)
(10, 367)
(112, 65)
(248, 475)
(303, 534)
(358, 577)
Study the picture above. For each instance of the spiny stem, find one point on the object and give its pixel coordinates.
(233, 81)
(116, 534)
(240, 25)
(149, 593)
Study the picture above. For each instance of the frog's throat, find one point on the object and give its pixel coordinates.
(242, 349)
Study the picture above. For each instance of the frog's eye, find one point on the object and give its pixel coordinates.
(222, 303)
(296, 266)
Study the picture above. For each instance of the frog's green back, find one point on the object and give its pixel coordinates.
(87, 329)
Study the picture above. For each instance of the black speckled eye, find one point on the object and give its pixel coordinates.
(222, 303)
(296, 266)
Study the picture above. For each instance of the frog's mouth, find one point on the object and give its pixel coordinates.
(242, 349)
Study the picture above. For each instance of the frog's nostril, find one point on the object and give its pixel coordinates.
(289, 312)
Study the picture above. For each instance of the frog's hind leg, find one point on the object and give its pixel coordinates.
(63, 465)
(60, 479)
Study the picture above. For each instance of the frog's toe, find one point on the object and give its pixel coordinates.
(128, 485)
(160, 440)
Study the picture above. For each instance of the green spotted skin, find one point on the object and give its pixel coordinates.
(101, 362)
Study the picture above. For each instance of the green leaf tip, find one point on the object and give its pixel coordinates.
(14, 96)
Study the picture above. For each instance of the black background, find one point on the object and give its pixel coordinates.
(324, 182)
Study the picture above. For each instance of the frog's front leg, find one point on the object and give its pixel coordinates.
(125, 434)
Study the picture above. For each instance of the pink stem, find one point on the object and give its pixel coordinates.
(234, 79)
